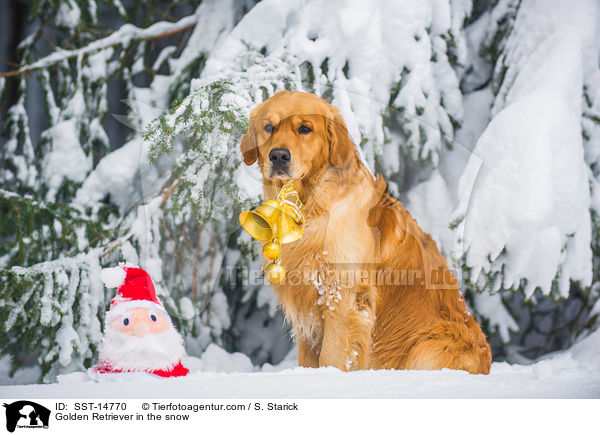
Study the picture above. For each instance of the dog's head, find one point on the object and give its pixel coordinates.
(296, 135)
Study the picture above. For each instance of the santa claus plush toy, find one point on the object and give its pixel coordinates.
(139, 335)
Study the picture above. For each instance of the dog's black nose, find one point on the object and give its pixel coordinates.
(280, 156)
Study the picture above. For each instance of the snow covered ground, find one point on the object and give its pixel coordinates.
(218, 374)
(504, 382)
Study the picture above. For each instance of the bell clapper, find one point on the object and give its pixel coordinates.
(272, 250)
(275, 271)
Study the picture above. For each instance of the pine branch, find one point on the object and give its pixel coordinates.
(125, 35)
(34, 231)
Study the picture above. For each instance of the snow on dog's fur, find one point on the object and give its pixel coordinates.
(365, 286)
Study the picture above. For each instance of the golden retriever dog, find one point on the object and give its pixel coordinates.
(365, 287)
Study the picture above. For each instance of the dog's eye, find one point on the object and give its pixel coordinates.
(268, 128)
(304, 129)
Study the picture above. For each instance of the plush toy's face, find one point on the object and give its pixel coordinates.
(140, 322)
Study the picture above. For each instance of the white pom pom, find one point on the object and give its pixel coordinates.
(113, 277)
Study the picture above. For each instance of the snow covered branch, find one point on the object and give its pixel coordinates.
(126, 35)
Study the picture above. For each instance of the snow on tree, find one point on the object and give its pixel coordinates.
(528, 194)
(418, 90)
(533, 189)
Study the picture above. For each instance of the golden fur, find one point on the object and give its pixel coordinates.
(365, 286)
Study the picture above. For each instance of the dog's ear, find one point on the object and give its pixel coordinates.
(248, 146)
(341, 148)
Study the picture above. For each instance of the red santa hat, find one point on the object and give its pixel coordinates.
(135, 290)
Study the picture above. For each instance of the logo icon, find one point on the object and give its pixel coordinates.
(26, 414)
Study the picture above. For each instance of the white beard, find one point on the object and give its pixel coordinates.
(152, 352)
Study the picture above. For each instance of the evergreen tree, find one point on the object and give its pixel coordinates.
(527, 227)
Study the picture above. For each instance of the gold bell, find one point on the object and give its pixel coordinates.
(290, 227)
(261, 222)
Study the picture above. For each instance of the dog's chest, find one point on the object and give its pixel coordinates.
(334, 244)
(336, 241)
(344, 234)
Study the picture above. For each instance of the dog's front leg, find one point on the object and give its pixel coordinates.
(307, 354)
(335, 349)
(348, 331)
